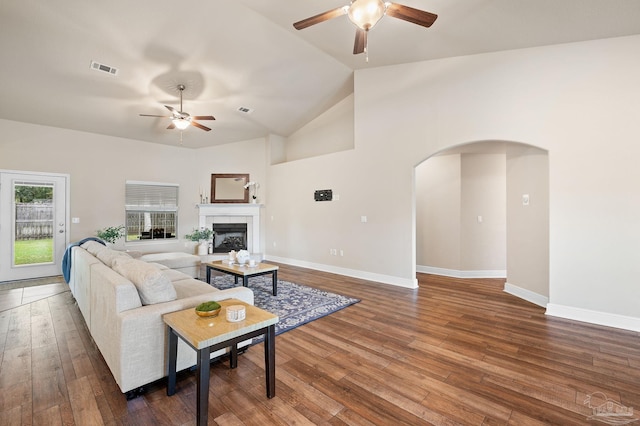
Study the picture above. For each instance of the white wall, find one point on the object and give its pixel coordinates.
(577, 101)
(528, 225)
(330, 132)
(438, 198)
(483, 244)
(99, 165)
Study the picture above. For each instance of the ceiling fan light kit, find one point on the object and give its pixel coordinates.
(181, 120)
(365, 14)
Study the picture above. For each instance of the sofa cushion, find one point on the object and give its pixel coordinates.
(173, 260)
(192, 287)
(152, 285)
(107, 256)
(174, 275)
(93, 247)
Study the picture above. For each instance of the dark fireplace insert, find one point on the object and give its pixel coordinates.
(229, 236)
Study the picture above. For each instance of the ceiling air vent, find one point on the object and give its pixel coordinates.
(104, 68)
(245, 110)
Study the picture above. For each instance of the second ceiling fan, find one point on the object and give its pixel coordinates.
(366, 13)
(181, 119)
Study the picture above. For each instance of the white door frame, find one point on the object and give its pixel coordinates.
(8, 271)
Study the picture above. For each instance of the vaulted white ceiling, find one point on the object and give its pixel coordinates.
(244, 53)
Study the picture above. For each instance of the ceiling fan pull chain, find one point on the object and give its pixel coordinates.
(366, 49)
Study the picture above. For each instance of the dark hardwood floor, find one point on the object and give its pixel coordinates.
(451, 352)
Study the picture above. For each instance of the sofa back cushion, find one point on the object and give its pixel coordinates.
(93, 247)
(152, 285)
(107, 256)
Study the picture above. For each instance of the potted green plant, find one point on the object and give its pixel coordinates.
(111, 234)
(202, 236)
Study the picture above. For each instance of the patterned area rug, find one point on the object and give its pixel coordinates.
(295, 304)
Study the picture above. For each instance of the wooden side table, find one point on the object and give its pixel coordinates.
(244, 271)
(207, 335)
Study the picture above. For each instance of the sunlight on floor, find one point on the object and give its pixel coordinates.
(17, 293)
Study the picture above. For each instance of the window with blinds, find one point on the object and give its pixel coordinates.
(151, 210)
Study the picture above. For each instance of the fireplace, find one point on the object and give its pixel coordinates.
(229, 236)
(222, 213)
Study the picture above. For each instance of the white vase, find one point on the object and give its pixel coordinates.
(203, 248)
(242, 257)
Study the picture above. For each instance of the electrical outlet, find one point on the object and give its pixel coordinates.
(341, 252)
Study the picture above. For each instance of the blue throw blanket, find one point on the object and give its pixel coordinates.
(66, 259)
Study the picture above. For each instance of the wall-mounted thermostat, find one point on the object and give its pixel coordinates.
(323, 195)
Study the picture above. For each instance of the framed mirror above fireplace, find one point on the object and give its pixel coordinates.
(229, 188)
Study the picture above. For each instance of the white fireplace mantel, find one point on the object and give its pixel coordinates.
(207, 214)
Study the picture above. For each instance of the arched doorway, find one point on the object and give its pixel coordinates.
(482, 210)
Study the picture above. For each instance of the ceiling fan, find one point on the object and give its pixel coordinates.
(181, 119)
(364, 14)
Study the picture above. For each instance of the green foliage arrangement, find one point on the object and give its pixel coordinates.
(111, 234)
(200, 234)
(208, 306)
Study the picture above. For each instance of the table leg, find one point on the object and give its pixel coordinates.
(245, 281)
(235, 279)
(233, 358)
(274, 276)
(208, 274)
(270, 360)
(202, 383)
(173, 357)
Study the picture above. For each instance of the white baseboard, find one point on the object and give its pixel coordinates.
(527, 295)
(364, 275)
(461, 274)
(594, 317)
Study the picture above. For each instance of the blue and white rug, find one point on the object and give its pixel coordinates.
(295, 304)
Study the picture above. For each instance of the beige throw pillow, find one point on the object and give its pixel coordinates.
(152, 285)
(93, 247)
(107, 256)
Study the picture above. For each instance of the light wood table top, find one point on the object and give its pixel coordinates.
(237, 269)
(201, 332)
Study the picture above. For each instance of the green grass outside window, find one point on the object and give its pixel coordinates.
(33, 251)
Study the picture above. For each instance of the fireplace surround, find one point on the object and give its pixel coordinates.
(248, 214)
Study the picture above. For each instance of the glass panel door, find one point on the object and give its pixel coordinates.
(32, 225)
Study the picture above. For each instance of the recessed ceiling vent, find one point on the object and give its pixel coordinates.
(104, 68)
(245, 110)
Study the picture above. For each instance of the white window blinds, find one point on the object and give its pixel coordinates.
(151, 196)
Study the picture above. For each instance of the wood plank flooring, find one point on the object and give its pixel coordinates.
(451, 352)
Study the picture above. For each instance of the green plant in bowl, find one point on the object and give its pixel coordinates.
(208, 309)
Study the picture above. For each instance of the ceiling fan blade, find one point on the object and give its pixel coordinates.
(151, 115)
(174, 111)
(321, 17)
(409, 14)
(171, 126)
(200, 126)
(203, 117)
(361, 41)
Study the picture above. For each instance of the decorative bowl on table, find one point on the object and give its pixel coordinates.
(208, 309)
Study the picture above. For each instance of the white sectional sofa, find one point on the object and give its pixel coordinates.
(123, 299)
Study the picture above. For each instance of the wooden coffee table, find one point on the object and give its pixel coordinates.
(244, 271)
(207, 335)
